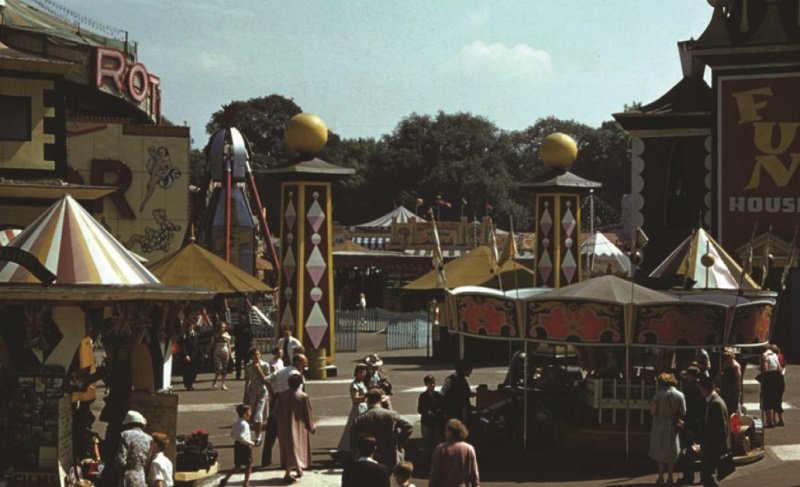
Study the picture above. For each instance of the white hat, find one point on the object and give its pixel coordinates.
(134, 417)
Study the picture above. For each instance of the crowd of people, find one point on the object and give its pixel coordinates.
(690, 417)
(693, 423)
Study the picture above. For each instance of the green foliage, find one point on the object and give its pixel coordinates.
(262, 121)
(456, 156)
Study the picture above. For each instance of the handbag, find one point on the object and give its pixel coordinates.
(725, 467)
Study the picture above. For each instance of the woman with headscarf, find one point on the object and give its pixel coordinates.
(668, 408)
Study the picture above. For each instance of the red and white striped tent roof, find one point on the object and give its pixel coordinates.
(7, 235)
(77, 249)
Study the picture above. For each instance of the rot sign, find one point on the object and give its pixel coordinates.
(132, 81)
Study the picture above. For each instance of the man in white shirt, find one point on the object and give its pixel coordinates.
(288, 344)
(280, 383)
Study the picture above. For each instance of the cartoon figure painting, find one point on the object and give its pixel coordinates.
(161, 171)
(155, 239)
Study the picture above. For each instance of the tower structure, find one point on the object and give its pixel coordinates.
(306, 280)
(557, 216)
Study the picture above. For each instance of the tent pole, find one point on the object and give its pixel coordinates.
(228, 182)
(628, 395)
(525, 397)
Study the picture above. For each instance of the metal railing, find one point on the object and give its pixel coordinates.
(403, 330)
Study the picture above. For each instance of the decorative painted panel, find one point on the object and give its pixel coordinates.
(575, 321)
(289, 249)
(751, 323)
(569, 239)
(679, 325)
(486, 316)
(546, 241)
(318, 263)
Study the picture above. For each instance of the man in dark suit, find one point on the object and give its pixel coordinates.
(389, 429)
(715, 437)
(430, 406)
(365, 471)
(190, 353)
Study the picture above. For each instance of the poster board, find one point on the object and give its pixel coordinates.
(161, 412)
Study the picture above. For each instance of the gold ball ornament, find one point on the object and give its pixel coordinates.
(707, 260)
(306, 133)
(558, 150)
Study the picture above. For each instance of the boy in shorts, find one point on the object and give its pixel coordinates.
(242, 445)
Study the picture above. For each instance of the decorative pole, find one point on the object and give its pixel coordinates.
(306, 301)
(558, 220)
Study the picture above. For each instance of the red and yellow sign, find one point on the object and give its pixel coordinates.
(758, 147)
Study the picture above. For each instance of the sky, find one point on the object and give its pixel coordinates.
(364, 65)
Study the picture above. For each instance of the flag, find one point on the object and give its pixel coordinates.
(747, 266)
(510, 248)
(495, 257)
(463, 202)
(419, 202)
(765, 259)
(489, 207)
(640, 241)
(790, 258)
(438, 256)
(440, 201)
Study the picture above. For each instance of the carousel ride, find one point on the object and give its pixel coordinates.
(588, 353)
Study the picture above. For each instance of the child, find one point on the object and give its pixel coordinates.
(401, 475)
(160, 474)
(242, 446)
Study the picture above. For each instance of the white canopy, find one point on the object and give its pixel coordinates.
(601, 253)
(400, 214)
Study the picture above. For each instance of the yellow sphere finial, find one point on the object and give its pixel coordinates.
(558, 150)
(306, 133)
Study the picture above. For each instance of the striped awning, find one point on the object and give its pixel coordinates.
(7, 235)
(77, 249)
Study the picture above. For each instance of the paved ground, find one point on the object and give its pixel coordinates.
(214, 410)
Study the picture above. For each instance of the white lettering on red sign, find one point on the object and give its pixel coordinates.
(132, 81)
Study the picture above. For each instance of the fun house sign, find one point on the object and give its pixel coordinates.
(758, 176)
(117, 75)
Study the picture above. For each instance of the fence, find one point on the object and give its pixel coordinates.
(404, 330)
(410, 331)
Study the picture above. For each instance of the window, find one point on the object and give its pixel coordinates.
(15, 118)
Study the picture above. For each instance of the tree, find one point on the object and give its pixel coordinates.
(262, 121)
(454, 156)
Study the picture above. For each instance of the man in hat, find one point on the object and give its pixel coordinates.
(377, 377)
(134, 450)
(457, 393)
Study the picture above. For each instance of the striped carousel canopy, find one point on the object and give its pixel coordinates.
(77, 249)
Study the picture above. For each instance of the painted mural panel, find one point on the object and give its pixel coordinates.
(575, 321)
(486, 316)
(751, 324)
(149, 166)
(569, 239)
(679, 325)
(758, 153)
